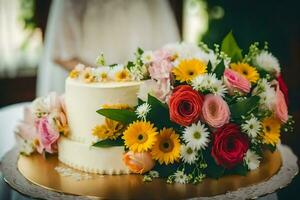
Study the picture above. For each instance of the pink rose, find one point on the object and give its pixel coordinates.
(160, 69)
(215, 111)
(48, 135)
(236, 82)
(281, 110)
(138, 163)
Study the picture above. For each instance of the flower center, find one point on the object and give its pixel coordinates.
(103, 75)
(191, 73)
(251, 126)
(245, 72)
(142, 138)
(185, 108)
(197, 135)
(268, 128)
(189, 150)
(166, 146)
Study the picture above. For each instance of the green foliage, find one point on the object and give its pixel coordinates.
(109, 143)
(231, 48)
(120, 115)
(243, 107)
(219, 70)
(240, 169)
(209, 67)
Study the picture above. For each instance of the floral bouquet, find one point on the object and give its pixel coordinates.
(201, 112)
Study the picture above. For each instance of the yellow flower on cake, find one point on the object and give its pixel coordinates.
(167, 148)
(189, 69)
(271, 130)
(120, 73)
(88, 76)
(74, 74)
(109, 130)
(140, 136)
(246, 70)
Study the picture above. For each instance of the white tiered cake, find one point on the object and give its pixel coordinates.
(82, 102)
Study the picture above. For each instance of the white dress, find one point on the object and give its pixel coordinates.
(84, 28)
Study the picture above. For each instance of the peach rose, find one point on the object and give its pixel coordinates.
(215, 111)
(138, 163)
(281, 110)
(236, 82)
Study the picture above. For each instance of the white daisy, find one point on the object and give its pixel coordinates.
(180, 177)
(188, 155)
(209, 82)
(196, 136)
(267, 61)
(142, 111)
(266, 93)
(147, 57)
(102, 73)
(252, 160)
(154, 174)
(252, 127)
(115, 69)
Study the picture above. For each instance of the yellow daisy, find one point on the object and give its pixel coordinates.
(271, 130)
(109, 130)
(167, 148)
(246, 70)
(189, 69)
(88, 76)
(140, 136)
(122, 75)
(74, 74)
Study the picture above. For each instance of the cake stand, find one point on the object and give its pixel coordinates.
(49, 179)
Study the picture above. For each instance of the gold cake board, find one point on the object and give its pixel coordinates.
(42, 172)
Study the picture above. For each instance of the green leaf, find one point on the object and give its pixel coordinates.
(209, 67)
(243, 107)
(109, 143)
(129, 65)
(219, 70)
(231, 48)
(120, 115)
(140, 51)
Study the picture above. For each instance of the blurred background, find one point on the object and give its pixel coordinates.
(24, 28)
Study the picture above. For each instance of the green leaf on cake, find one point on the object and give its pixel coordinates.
(120, 115)
(109, 143)
(219, 70)
(231, 48)
(243, 107)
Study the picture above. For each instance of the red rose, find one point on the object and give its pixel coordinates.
(283, 88)
(229, 146)
(185, 105)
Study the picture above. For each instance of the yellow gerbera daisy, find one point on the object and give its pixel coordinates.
(167, 148)
(271, 130)
(74, 74)
(140, 136)
(246, 70)
(109, 130)
(189, 69)
(122, 75)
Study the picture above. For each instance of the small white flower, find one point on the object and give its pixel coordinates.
(143, 110)
(147, 57)
(252, 160)
(79, 67)
(154, 174)
(102, 73)
(266, 93)
(180, 177)
(252, 127)
(196, 136)
(188, 155)
(115, 69)
(209, 82)
(40, 107)
(26, 147)
(267, 61)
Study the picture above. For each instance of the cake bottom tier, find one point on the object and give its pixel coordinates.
(91, 159)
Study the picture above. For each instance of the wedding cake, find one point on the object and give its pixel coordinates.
(183, 113)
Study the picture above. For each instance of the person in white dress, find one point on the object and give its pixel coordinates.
(79, 30)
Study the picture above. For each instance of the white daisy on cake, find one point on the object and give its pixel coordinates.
(142, 111)
(120, 73)
(252, 127)
(267, 61)
(181, 177)
(196, 136)
(188, 155)
(102, 73)
(252, 160)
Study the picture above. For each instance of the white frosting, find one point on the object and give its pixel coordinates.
(91, 159)
(84, 99)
